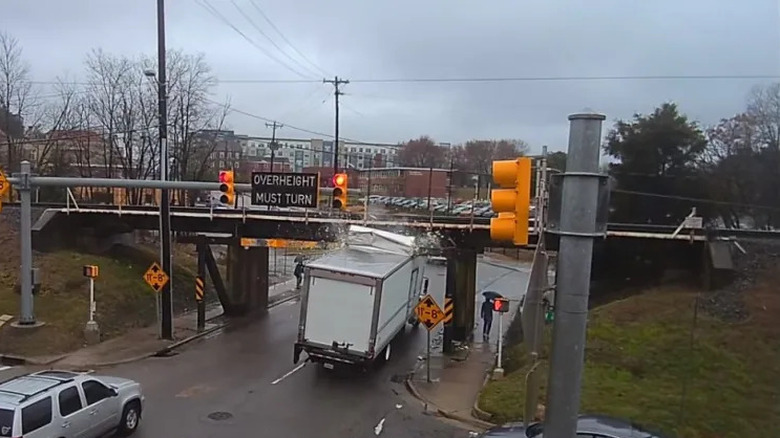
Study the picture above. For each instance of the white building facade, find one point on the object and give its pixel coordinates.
(302, 153)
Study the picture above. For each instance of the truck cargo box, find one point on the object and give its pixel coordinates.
(356, 299)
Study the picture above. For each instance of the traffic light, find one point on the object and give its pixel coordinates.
(512, 201)
(340, 191)
(226, 187)
(501, 305)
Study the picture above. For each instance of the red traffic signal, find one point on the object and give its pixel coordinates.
(339, 180)
(501, 305)
(340, 191)
(226, 180)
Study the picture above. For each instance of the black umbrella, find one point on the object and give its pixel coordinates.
(490, 295)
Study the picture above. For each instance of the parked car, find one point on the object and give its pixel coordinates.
(51, 404)
(588, 426)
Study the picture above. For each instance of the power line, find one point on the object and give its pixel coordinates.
(306, 105)
(528, 79)
(482, 79)
(304, 57)
(213, 11)
(692, 199)
(569, 78)
(252, 22)
(266, 119)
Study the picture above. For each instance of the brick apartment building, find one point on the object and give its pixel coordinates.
(410, 182)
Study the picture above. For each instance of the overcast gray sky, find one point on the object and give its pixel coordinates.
(377, 39)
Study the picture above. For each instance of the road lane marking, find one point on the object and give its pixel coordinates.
(289, 373)
(5, 368)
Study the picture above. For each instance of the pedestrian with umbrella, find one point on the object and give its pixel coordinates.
(299, 259)
(487, 313)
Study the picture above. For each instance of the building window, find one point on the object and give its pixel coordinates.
(221, 155)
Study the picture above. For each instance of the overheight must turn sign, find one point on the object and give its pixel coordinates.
(286, 189)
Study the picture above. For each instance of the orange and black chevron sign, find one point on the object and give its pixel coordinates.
(449, 310)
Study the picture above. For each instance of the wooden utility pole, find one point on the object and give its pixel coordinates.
(336, 82)
(274, 146)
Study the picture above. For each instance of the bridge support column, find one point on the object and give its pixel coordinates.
(461, 286)
(248, 274)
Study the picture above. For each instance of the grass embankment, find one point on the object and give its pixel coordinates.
(641, 364)
(124, 300)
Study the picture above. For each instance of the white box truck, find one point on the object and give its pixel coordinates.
(356, 299)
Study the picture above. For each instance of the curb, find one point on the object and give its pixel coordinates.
(14, 360)
(412, 388)
(21, 360)
(475, 409)
(499, 265)
(159, 352)
(187, 340)
(468, 420)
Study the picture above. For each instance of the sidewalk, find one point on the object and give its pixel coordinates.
(145, 342)
(457, 379)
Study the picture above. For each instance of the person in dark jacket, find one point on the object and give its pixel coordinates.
(487, 318)
(298, 273)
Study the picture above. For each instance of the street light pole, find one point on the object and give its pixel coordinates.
(166, 294)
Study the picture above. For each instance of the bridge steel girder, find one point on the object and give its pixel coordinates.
(461, 286)
(246, 287)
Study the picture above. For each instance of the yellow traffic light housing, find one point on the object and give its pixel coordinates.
(340, 191)
(227, 187)
(512, 201)
(91, 271)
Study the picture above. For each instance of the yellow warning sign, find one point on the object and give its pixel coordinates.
(428, 312)
(156, 277)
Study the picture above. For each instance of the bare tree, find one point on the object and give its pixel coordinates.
(764, 110)
(110, 80)
(56, 117)
(16, 98)
(422, 152)
(480, 154)
(190, 113)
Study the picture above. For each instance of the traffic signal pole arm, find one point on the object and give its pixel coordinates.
(55, 181)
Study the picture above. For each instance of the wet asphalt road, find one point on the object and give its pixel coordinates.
(244, 377)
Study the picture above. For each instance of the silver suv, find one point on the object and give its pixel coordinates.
(64, 404)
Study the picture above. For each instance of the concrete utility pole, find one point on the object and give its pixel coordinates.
(27, 314)
(166, 294)
(336, 82)
(577, 231)
(274, 146)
